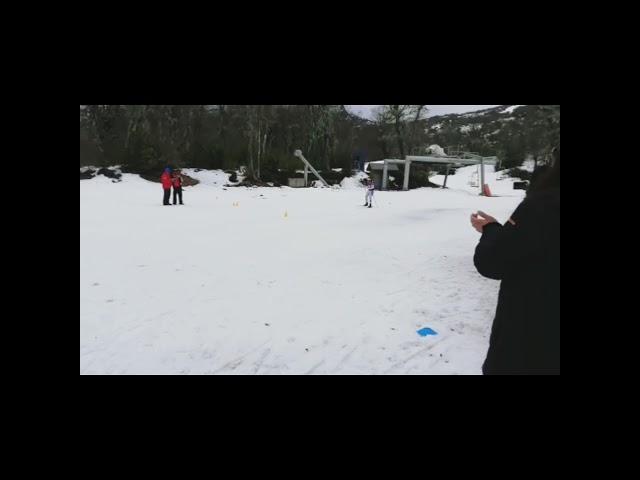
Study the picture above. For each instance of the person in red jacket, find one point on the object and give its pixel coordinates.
(177, 186)
(165, 179)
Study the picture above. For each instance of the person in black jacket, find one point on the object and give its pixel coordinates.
(525, 255)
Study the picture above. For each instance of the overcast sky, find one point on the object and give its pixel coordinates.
(434, 110)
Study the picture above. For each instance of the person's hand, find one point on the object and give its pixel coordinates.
(480, 220)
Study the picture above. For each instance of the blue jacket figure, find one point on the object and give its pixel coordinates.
(360, 157)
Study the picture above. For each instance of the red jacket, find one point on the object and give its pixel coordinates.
(166, 181)
(177, 181)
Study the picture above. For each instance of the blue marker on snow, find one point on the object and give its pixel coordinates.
(425, 332)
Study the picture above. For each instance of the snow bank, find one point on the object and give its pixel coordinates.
(212, 178)
(437, 150)
(354, 182)
(528, 165)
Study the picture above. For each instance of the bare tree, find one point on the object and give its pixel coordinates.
(258, 120)
(401, 122)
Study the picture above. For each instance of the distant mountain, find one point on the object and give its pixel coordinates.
(512, 132)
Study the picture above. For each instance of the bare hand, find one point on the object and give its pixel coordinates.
(480, 220)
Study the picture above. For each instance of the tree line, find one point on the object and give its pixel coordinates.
(262, 138)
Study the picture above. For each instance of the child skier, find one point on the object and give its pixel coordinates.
(370, 189)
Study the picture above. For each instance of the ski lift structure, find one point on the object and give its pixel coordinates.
(307, 167)
(454, 158)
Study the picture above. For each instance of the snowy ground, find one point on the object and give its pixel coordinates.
(283, 281)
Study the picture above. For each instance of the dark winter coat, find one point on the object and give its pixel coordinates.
(525, 255)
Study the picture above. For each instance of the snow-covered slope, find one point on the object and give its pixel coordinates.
(208, 177)
(511, 109)
(467, 180)
(282, 281)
